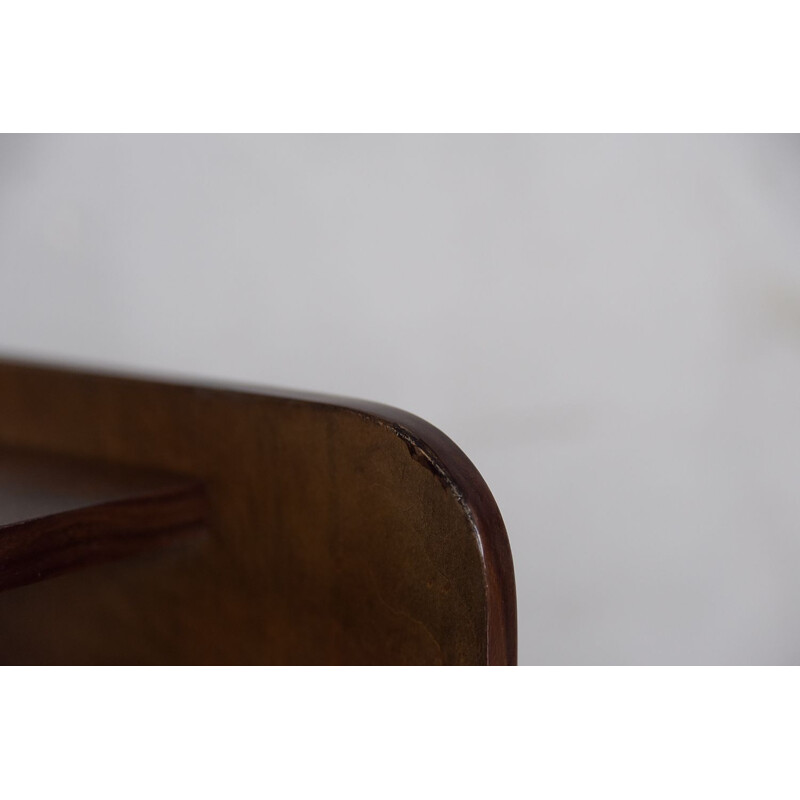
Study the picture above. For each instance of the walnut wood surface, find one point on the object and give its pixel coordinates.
(59, 514)
(339, 532)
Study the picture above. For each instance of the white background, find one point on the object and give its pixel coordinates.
(608, 326)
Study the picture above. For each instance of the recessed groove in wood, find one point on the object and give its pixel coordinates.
(58, 514)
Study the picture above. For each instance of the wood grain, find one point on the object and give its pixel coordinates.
(341, 532)
(60, 514)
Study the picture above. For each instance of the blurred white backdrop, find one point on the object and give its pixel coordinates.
(609, 326)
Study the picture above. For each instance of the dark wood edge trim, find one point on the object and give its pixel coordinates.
(426, 444)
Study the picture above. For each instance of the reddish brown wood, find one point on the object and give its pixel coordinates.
(340, 532)
(59, 514)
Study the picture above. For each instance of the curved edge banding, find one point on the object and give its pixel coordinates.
(428, 445)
